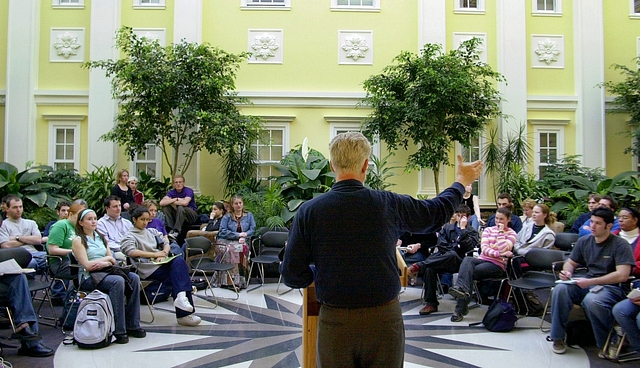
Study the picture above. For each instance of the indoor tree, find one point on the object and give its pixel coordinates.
(431, 100)
(180, 97)
(627, 101)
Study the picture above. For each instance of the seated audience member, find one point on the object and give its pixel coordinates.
(122, 189)
(91, 250)
(527, 209)
(608, 259)
(454, 241)
(496, 248)
(592, 204)
(19, 232)
(24, 317)
(113, 226)
(59, 244)
(536, 233)
(505, 200)
(606, 201)
(627, 312)
(62, 210)
(149, 245)
(419, 246)
(472, 202)
(138, 197)
(238, 223)
(213, 225)
(179, 206)
(157, 224)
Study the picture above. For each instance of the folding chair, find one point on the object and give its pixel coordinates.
(613, 347)
(266, 249)
(143, 285)
(197, 249)
(540, 275)
(565, 241)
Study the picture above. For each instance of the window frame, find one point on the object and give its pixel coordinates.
(284, 127)
(632, 9)
(138, 4)
(133, 166)
(53, 143)
(58, 4)
(336, 127)
(560, 149)
(557, 9)
(459, 9)
(246, 5)
(358, 8)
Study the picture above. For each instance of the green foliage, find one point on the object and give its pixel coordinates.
(266, 205)
(380, 172)
(306, 174)
(32, 185)
(624, 187)
(432, 100)
(180, 97)
(69, 182)
(204, 203)
(152, 187)
(515, 180)
(97, 186)
(41, 215)
(238, 165)
(556, 175)
(627, 100)
(505, 160)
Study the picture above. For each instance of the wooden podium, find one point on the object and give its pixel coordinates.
(311, 310)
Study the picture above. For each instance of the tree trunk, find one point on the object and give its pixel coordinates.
(436, 176)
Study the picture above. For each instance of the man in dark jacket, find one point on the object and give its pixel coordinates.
(454, 242)
(345, 242)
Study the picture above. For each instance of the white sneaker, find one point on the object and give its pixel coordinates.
(183, 304)
(190, 320)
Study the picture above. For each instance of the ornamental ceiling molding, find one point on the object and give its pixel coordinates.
(547, 51)
(67, 45)
(355, 47)
(265, 46)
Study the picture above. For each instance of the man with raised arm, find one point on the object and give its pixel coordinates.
(345, 242)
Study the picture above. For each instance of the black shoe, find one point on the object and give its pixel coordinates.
(38, 351)
(121, 339)
(458, 293)
(137, 333)
(456, 317)
(26, 334)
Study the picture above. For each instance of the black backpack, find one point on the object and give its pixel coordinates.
(501, 317)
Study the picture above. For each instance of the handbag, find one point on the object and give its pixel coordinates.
(501, 317)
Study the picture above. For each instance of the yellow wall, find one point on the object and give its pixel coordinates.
(62, 76)
(42, 138)
(549, 81)
(149, 18)
(310, 47)
(4, 19)
(620, 38)
(480, 23)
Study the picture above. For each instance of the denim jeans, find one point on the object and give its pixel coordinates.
(38, 261)
(627, 315)
(176, 274)
(410, 259)
(474, 269)
(473, 221)
(20, 303)
(126, 312)
(597, 307)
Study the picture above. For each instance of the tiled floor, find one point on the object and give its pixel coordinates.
(262, 329)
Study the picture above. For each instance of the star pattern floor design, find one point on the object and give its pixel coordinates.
(263, 329)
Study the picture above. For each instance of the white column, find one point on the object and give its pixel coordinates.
(187, 25)
(589, 67)
(512, 62)
(432, 23)
(23, 31)
(432, 28)
(105, 21)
